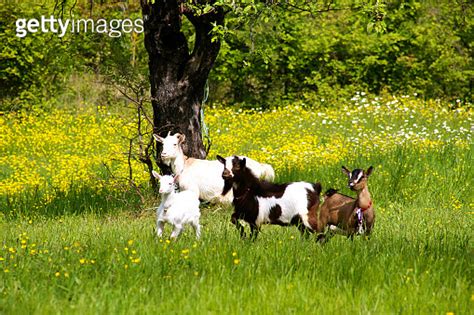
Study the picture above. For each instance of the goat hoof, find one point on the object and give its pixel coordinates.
(321, 239)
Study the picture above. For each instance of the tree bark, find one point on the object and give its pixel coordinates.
(178, 76)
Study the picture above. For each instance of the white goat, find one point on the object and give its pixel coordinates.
(176, 208)
(204, 176)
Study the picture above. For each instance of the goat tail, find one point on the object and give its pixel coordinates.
(268, 173)
(330, 192)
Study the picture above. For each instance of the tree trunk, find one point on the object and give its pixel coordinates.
(178, 76)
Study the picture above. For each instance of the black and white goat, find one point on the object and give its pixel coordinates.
(259, 202)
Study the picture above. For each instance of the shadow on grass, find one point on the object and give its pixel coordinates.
(75, 201)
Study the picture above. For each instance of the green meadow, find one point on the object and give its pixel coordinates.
(76, 240)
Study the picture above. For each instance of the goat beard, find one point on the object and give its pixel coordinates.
(227, 186)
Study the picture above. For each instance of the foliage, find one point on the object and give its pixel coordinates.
(30, 70)
(35, 70)
(420, 47)
(274, 52)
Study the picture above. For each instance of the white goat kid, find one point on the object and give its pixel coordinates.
(176, 208)
(204, 176)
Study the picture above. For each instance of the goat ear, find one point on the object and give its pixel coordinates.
(243, 162)
(155, 174)
(369, 171)
(346, 171)
(181, 138)
(175, 178)
(220, 159)
(158, 138)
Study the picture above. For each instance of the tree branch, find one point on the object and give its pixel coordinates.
(205, 48)
(309, 9)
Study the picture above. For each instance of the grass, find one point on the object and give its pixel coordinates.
(88, 249)
(91, 266)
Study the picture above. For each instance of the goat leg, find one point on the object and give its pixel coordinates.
(177, 230)
(197, 229)
(159, 227)
(325, 236)
(254, 229)
(234, 219)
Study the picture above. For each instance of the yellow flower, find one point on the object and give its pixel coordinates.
(130, 242)
(236, 261)
(82, 261)
(57, 274)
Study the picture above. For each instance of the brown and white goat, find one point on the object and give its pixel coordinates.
(260, 202)
(346, 215)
